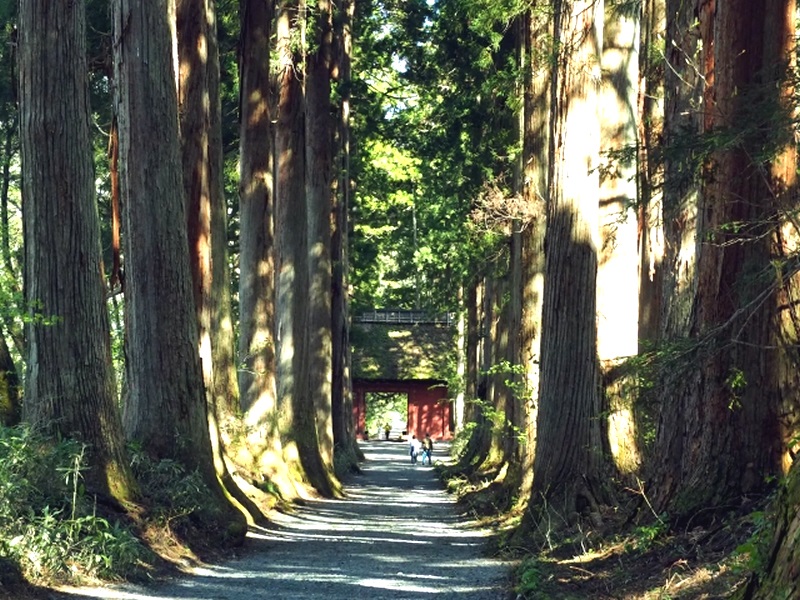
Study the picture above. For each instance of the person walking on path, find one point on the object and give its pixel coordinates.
(427, 449)
(414, 448)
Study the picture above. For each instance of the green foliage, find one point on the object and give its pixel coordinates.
(383, 408)
(403, 352)
(517, 384)
(735, 382)
(530, 577)
(49, 525)
(435, 83)
(645, 536)
(176, 497)
(754, 553)
(462, 438)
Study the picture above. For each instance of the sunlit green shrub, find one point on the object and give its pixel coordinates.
(48, 524)
(175, 496)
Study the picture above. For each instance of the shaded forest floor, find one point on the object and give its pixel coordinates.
(625, 561)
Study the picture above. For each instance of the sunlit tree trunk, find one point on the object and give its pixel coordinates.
(296, 409)
(319, 205)
(194, 111)
(502, 357)
(682, 88)
(69, 385)
(224, 388)
(471, 351)
(479, 385)
(734, 379)
(618, 267)
(515, 417)
(650, 110)
(256, 349)
(201, 154)
(567, 465)
(166, 406)
(535, 144)
(342, 398)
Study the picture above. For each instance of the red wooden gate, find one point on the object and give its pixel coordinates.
(429, 409)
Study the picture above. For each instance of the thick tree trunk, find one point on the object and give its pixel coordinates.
(69, 387)
(471, 352)
(682, 85)
(567, 465)
(618, 269)
(297, 418)
(780, 579)
(319, 190)
(256, 244)
(166, 408)
(781, 576)
(535, 144)
(650, 173)
(480, 310)
(729, 440)
(342, 396)
(201, 153)
(224, 388)
(257, 253)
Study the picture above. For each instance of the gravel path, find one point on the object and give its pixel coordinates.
(396, 536)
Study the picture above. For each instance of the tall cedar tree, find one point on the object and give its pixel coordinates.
(650, 169)
(166, 406)
(296, 409)
(567, 464)
(201, 154)
(319, 203)
(535, 132)
(618, 256)
(256, 245)
(720, 434)
(69, 388)
(341, 398)
(257, 252)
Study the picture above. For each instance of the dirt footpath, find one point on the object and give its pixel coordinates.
(396, 536)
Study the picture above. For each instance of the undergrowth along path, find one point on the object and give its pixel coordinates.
(397, 535)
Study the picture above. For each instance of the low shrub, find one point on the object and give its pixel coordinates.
(49, 526)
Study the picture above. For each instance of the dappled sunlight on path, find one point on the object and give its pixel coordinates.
(395, 535)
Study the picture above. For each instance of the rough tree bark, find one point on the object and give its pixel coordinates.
(69, 387)
(535, 144)
(296, 410)
(618, 258)
(650, 171)
(257, 252)
(166, 407)
(727, 441)
(567, 467)
(201, 154)
(342, 397)
(319, 206)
